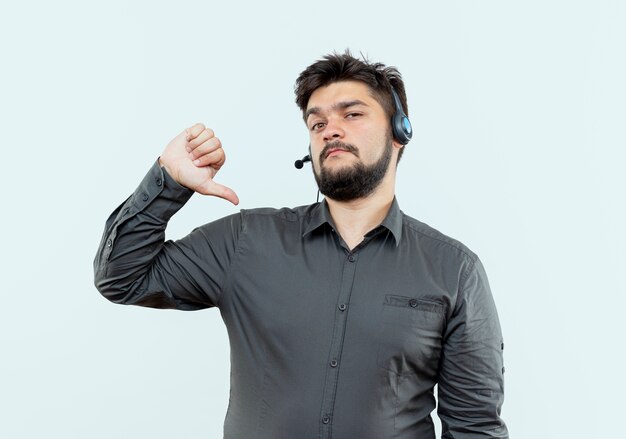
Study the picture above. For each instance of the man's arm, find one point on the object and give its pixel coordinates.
(135, 266)
(471, 381)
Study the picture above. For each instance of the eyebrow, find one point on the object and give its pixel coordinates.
(337, 106)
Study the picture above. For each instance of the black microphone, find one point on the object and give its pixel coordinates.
(300, 163)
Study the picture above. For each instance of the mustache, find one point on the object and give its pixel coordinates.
(338, 144)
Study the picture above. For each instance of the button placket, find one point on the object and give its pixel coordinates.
(336, 347)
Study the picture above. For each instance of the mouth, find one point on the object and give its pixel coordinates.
(335, 151)
(336, 148)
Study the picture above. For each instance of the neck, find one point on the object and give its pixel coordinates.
(355, 218)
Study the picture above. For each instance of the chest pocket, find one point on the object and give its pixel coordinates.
(410, 336)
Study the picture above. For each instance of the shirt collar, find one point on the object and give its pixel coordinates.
(393, 221)
(320, 215)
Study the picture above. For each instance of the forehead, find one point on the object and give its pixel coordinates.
(341, 91)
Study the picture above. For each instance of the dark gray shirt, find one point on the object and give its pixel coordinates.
(325, 342)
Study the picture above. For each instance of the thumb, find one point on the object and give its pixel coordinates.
(210, 187)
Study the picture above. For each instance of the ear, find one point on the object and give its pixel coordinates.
(397, 145)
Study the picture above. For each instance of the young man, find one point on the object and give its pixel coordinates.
(342, 315)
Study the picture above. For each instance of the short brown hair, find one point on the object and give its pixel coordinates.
(345, 67)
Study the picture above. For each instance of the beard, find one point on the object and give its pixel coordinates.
(355, 181)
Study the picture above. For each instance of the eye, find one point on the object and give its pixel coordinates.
(352, 115)
(317, 126)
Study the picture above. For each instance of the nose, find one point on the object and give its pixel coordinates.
(333, 130)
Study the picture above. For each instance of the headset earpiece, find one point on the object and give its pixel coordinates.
(400, 123)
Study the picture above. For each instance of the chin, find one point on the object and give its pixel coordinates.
(338, 162)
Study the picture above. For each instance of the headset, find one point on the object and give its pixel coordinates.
(400, 125)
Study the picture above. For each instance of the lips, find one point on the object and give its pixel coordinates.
(334, 150)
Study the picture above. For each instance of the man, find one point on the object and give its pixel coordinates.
(342, 315)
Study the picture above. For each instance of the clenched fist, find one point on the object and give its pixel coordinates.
(193, 158)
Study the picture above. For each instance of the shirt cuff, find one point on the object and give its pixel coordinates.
(159, 194)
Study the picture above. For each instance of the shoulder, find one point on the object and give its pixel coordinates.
(289, 214)
(429, 238)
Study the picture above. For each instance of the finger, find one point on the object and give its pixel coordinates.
(210, 187)
(194, 131)
(207, 147)
(205, 135)
(215, 159)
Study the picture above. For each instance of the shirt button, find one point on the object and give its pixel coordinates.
(412, 303)
(326, 419)
(144, 197)
(109, 243)
(351, 258)
(159, 182)
(333, 363)
(342, 307)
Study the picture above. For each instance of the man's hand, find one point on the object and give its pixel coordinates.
(193, 158)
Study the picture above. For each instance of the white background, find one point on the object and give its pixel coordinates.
(519, 111)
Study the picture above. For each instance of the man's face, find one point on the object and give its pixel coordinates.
(351, 142)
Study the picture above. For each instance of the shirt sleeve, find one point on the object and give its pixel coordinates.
(135, 266)
(471, 381)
